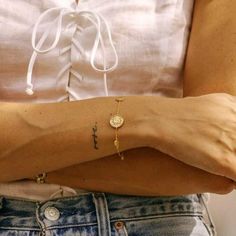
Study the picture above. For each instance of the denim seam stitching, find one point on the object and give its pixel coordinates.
(97, 213)
(211, 227)
(20, 229)
(70, 226)
(107, 213)
(39, 221)
(205, 225)
(160, 216)
(76, 196)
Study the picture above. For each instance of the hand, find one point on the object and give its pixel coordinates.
(200, 131)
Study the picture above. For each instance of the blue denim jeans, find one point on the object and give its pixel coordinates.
(105, 214)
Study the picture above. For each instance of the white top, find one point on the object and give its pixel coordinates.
(75, 58)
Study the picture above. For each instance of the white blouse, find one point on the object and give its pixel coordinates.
(60, 51)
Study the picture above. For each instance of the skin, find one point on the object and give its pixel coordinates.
(211, 65)
(212, 38)
(188, 179)
(160, 175)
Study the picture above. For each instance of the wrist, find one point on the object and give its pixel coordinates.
(132, 134)
(158, 121)
(144, 118)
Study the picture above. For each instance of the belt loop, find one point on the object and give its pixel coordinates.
(203, 199)
(103, 218)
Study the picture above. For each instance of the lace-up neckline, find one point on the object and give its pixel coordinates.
(97, 20)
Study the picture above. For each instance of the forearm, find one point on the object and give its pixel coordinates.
(210, 64)
(210, 67)
(39, 138)
(177, 143)
(144, 171)
(209, 61)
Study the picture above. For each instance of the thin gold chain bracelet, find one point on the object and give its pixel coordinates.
(116, 121)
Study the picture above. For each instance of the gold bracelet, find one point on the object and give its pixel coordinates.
(41, 178)
(116, 121)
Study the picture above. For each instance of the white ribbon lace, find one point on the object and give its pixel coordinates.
(94, 18)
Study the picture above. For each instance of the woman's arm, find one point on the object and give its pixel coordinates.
(211, 59)
(145, 172)
(211, 64)
(181, 134)
(206, 71)
(39, 138)
(50, 140)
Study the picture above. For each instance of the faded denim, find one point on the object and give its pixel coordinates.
(105, 214)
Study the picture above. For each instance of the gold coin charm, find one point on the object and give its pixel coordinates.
(116, 121)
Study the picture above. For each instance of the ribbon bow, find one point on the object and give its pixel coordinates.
(93, 17)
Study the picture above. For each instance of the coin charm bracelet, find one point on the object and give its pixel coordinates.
(116, 121)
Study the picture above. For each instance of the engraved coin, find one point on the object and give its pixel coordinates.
(116, 121)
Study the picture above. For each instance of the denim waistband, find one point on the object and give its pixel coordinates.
(83, 209)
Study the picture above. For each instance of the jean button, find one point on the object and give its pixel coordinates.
(52, 213)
